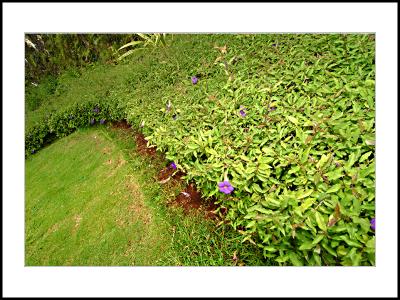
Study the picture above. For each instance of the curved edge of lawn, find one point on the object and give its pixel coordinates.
(92, 200)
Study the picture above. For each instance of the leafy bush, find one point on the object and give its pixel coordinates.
(66, 121)
(291, 127)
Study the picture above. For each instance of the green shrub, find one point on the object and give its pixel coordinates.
(301, 159)
(66, 121)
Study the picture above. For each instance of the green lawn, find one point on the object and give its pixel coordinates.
(92, 200)
(83, 207)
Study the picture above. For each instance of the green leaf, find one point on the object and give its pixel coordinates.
(295, 259)
(128, 53)
(305, 194)
(317, 259)
(257, 188)
(333, 175)
(263, 210)
(245, 158)
(211, 151)
(192, 146)
(306, 204)
(251, 224)
(350, 242)
(364, 224)
(342, 251)
(306, 246)
(130, 44)
(263, 166)
(318, 239)
(352, 159)
(365, 156)
(324, 159)
(294, 169)
(270, 249)
(334, 188)
(268, 151)
(329, 249)
(250, 170)
(320, 221)
(293, 120)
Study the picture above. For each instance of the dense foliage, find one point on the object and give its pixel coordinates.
(287, 120)
(66, 121)
(49, 54)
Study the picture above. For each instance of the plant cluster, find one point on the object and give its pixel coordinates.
(280, 129)
(64, 122)
(288, 149)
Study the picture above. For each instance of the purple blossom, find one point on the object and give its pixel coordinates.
(273, 45)
(225, 187)
(174, 116)
(194, 79)
(92, 121)
(242, 111)
(173, 165)
(102, 121)
(372, 224)
(272, 108)
(96, 110)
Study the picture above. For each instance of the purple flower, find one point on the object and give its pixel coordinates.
(194, 79)
(96, 110)
(102, 121)
(92, 121)
(173, 165)
(372, 224)
(272, 108)
(33, 151)
(242, 111)
(174, 116)
(273, 45)
(225, 187)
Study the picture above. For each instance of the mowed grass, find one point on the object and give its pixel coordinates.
(91, 200)
(84, 207)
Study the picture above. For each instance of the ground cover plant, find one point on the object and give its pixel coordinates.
(91, 200)
(279, 129)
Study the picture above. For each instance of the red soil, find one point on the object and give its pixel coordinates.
(121, 124)
(190, 199)
(142, 146)
(139, 137)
